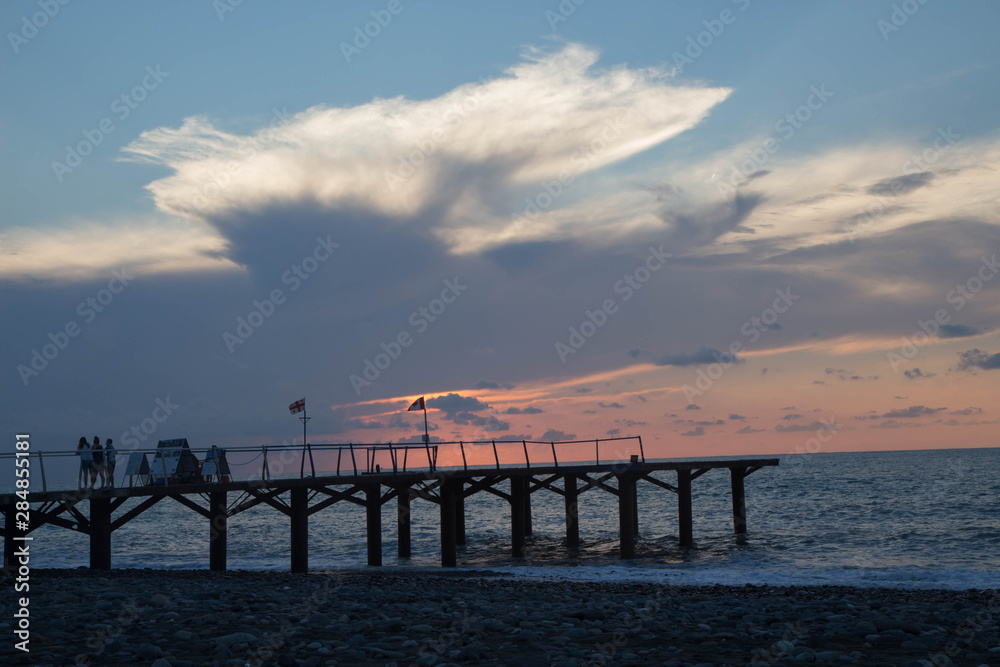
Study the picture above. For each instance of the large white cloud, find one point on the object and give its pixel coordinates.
(471, 155)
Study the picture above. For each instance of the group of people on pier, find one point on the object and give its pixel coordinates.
(96, 461)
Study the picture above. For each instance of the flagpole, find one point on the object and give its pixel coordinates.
(305, 417)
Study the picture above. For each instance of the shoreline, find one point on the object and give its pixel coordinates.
(357, 616)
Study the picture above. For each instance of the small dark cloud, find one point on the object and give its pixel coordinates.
(489, 423)
(641, 398)
(788, 407)
(818, 382)
(967, 411)
(763, 371)
(736, 417)
(795, 428)
(529, 410)
(629, 422)
(704, 355)
(634, 353)
(693, 406)
(695, 432)
(613, 431)
(749, 429)
(917, 374)
(584, 390)
(615, 405)
(551, 435)
(792, 416)
(976, 358)
(451, 404)
(901, 185)
(958, 331)
(483, 384)
(911, 412)
(716, 422)
(590, 412)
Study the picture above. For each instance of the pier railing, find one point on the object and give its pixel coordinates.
(327, 459)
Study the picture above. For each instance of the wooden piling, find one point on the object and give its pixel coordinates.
(300, 529)
(518, 513)
(684, 520)
(449, 516)
(373, 512)
(403, 520)
(572, 511)
(527, 506)
(459, 512)
(626, 516)
(217, 521)
(739, 501)
(100, 533)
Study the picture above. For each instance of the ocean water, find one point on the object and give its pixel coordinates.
(911, 519)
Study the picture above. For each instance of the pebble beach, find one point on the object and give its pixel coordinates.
(195, 617)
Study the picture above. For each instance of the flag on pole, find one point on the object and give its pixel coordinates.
(297, 406)
(417, 405)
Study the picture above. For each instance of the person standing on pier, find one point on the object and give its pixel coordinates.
(86, 461)
(109, 458)
(98, 467)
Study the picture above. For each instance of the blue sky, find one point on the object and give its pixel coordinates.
(545, 87)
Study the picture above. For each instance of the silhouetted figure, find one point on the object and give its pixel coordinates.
(109, 457)
(86, 461)
(98, 468)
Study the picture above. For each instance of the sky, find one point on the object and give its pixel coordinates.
(729, 227)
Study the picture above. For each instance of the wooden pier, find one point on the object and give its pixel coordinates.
(372, 487)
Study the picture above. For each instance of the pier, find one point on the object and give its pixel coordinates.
(445, 474)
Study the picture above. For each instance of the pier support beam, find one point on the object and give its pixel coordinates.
(518, 513)
(100, 533)
(403, 520)
(626, 515)
(459, 512)
(373, 512)
(449, 518)
(635, 507)
(684, 520)
(527, 506)
(572, 511)
(300, 529)
(217, 520)
(739, 501)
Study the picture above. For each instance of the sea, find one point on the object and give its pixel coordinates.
(899, 519)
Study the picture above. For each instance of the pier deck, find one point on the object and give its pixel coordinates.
(372, 487)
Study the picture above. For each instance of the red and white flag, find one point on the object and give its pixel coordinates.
(297, 406)
(417, 405)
